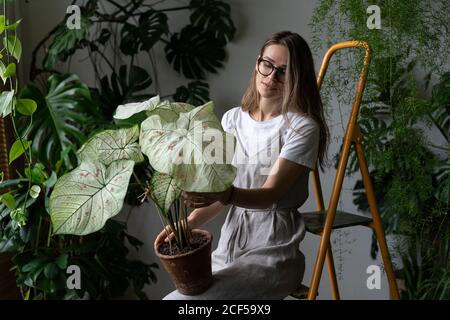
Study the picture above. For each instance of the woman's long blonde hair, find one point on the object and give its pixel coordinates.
(301, 93)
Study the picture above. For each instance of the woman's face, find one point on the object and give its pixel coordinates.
(270, 71)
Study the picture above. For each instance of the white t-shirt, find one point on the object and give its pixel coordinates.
(260, 143)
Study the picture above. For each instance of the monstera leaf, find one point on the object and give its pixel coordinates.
(152, 25)
(121, 88)
(84, 199)
(215, 17)
(196, 93)
(194, 51)
(66, 42)
(179, 148)
(59, 120)
(111, 145)
(164, 191)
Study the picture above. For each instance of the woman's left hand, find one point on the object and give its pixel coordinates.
(204, 199)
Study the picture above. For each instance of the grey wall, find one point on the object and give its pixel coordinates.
(255, 20)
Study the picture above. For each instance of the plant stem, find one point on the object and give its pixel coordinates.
(28, 154)
(177, 224)
(49, 235)
(34, 70)
(155, 73)
(118, 6)
(174, 229)
(139, 181)
(36, 245)
(94, 65)
(186, 229)
(174, 9)
(106, 60)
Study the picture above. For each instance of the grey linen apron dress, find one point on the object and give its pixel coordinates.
(258, 254)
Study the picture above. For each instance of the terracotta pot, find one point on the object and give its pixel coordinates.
(191, 271)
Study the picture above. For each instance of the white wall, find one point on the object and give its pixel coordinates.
(255, 20)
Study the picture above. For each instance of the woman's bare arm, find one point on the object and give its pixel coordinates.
(200, 216)
(283, 176)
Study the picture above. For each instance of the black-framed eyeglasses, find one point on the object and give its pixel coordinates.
(265, 68)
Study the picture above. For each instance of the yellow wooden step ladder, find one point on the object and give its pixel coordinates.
(323, 221)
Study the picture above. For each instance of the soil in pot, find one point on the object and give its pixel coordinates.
(189, 269)
(172, 249)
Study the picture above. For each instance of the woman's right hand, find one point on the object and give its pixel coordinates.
(197, 218)
(164, 235)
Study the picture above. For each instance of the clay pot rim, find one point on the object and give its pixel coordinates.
(170, 257)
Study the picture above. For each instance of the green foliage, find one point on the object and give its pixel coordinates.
(13, 46)
(408, 28)
(425, 260)
(104, 260)
(142, 37)
(215, 17)
(138, 29)
(61, 117)
(18, 148)
(121, 88)
(106, 272)
(6, 103)
(65, 104)
(56, 120)
(194, 93)
(410, 173)
(41, 260)
(194, 51)
(67, 41)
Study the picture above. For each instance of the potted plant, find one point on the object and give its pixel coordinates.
(184, 148)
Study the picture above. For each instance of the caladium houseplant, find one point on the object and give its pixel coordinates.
(185, 147)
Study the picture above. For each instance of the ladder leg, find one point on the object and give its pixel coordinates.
(331, 214)
(317, 270)
(329, 255)
(332, 273)
(378, 227)
(325, 248)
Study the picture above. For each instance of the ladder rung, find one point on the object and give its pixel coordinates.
(301, 292)
(315, 220)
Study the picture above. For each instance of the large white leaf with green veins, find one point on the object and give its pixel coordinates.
(86, 197)
(111, 145)
(179, 148)
(170, 111)
(164, 191)
(128, 110)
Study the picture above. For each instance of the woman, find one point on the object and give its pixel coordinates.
(258, 253)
